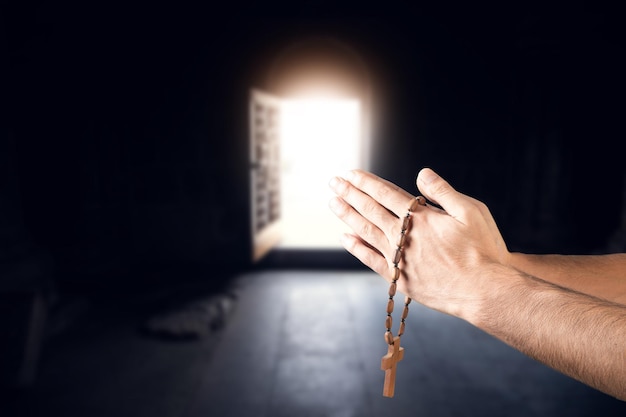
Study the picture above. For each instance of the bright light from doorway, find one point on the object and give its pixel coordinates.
(320, 138)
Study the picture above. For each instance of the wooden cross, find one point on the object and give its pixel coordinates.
(389, 362)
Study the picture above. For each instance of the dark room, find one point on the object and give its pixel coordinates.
(196, 201)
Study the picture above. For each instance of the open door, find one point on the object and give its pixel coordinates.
(264, 172)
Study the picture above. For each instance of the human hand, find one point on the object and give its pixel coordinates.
(446, 253)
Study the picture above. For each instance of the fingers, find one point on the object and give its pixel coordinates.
(366, 254)
(392, 197)
(367, 231)
(437, 190)
(366, 216)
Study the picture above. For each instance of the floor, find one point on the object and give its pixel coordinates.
(304, 343)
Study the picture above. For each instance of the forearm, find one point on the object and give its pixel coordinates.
(602, 276)
(579, 335)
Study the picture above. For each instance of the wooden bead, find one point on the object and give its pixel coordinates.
(389, 338)
(392, 289)
(406, 221)
(396, 273)
(397, 256)
(419, 201)
(401, 329)
(414, 204)
(405, 312)
(400, 240)
(390, 307)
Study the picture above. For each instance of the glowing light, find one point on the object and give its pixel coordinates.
(320, 138)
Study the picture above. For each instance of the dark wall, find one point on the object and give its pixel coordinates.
(129, 123)
(519, 107)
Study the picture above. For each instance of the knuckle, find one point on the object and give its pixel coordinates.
(382, 193)
(439, 187)
(369, 207)
(366, 229)
(397, 229)
(482, 207)
(368, 259)
(464, 211)
(476, 207)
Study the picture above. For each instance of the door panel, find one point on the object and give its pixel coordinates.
(264, 172)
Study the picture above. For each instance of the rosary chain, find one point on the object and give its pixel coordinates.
(419, 200)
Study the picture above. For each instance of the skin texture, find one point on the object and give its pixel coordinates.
(568, 312)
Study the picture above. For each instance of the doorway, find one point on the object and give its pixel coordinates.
(320, 138)
(310, 122)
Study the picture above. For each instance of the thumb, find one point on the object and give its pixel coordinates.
(437, 190)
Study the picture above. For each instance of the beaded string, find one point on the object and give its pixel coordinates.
(395, 352)
(419, 200)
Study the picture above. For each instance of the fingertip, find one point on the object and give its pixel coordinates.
(346, 240)
(350, 175)
(426, 176)
(335, 205)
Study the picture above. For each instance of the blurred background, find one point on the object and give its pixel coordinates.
(165, 243)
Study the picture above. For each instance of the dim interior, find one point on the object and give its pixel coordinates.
(127, 284)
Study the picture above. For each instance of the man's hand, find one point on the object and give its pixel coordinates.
(454, 260)
(445, 250)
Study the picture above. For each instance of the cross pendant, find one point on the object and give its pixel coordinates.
(389, 362)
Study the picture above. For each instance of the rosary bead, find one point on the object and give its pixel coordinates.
(401, 329)
(388, 338)
(405, 312)
(419, 201)
(396, 273)
(397, 256)
(389, 306)
(392, 289)
(395, 353)
(400, 240)
(406, 221)
(414, 204)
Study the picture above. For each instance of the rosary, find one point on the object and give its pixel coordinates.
(395, 353)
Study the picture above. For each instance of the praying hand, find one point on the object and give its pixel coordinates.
(568, 312)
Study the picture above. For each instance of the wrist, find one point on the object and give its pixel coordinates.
(499, 283)
(519, 260)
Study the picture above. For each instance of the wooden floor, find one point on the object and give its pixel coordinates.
(304, 343)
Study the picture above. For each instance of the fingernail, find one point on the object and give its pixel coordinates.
(333, 182)
(349, 175)
(427, 176)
